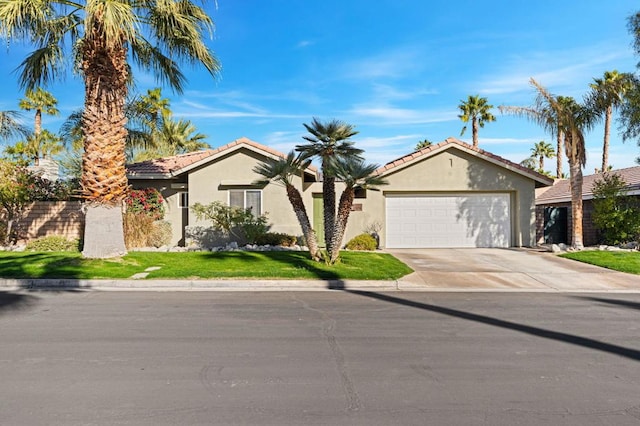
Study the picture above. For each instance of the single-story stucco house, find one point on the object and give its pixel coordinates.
(446, 195)
(553, 208)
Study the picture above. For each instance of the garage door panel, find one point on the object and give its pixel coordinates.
(473, 220)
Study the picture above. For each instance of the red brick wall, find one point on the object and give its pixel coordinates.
(590, 236)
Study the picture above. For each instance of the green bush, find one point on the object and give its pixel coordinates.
(276, 239)
(362, 242)
(230, 220)
(616, 215)
(53, 243)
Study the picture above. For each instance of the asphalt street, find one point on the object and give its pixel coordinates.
(318, 358)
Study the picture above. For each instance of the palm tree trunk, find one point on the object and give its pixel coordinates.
(329, 213)
(474, 129)
(575, 172)
(344, 209)
(37, 125)
(559, 151)
(104, 180)
(301, 213)
(607, 131)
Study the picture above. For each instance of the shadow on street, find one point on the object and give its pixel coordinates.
(586, 342)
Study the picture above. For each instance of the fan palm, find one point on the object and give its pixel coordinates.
(10, 125)
(478, 111)
(572, 119)
(608, 94)
(103, 36)
(281, 171)
(39, 100)
(542, 150)
(353, 172)
(330, 142)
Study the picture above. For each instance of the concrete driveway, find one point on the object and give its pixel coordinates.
(500, 269)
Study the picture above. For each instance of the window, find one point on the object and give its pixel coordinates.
(183, 200)
(246, 199)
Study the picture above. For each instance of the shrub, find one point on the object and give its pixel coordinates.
(276, 239)
(160, 234)
(148, 201)
(53, 243)
(137, 228)
(616, 215)
(362, 242)
(230, 220)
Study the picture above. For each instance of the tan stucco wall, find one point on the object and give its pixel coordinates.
(205, 186)
(449, 171)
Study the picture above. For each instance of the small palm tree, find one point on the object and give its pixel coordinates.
(40, 101)
(353, 172)
(542, 150)
(423, 144)
(478, 111)
(281, 171)
(607, 94)
(330, 142)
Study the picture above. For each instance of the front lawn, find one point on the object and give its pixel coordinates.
(202, 265)
(623, 261)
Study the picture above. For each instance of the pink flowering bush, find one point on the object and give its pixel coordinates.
(148, 201)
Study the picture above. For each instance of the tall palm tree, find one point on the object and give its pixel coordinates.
(542, 150)
(330, 142)
(282, 171)
(478, 111)
(353, 172)
(572, 120)
(607, 94)
(11, 125)
(40, 101)
(104, 36)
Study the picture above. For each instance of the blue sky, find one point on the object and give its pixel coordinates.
(396, 69)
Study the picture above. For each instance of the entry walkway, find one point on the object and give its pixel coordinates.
(507, 269)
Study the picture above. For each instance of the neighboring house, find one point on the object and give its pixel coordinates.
(446, 195)
(553, 208)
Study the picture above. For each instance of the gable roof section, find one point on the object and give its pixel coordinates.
(560, 192)
(450, 142)
(168, 167)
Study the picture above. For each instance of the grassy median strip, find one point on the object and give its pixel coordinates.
(202, 265)
(623, 261)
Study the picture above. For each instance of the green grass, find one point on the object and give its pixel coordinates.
(202, 265)
(623, 261)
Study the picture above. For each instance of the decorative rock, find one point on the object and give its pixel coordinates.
(613, 248)
(556, 248)
(232, 245)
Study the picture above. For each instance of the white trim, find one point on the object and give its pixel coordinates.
(179, 199)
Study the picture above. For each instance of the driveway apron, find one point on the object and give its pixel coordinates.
(518, 269)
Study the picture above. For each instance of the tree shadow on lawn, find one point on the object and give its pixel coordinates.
(585, 342)
(57, 272)
(293, 259)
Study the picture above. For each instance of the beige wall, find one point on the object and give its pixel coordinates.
(449, 171)
(45, 218)
(211, 183)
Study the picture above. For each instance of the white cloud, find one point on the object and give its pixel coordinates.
(389, 115)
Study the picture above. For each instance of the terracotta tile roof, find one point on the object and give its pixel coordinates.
(433, 149)
(177, 164)
(561, 192)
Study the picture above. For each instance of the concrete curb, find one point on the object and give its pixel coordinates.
(268, 285)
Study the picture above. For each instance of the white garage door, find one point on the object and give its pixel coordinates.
(428, 221)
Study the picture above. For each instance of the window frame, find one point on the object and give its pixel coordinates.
(244, 198)
(180, 199)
